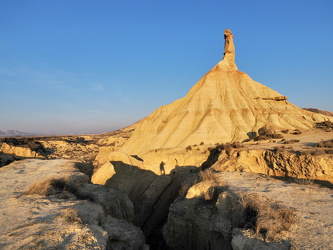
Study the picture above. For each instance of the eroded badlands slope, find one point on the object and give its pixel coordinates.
(225, 105)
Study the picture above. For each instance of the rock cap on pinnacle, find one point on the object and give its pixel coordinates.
(229, 51)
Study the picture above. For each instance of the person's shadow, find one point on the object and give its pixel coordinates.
(162, 168)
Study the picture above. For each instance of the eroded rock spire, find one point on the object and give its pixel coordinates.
(229, 49)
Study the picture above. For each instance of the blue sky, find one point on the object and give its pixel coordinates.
(95, 66)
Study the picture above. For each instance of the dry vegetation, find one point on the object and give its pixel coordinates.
(322, 148)
(317, 152)
(304, 181)
(71, 215)
(280, 149)
(325, 144)
(187, 183)
(291, 141)
(50, 186)
(265, 217)
(207, 175)
(267, 133)
(296, 132)
(326, 125)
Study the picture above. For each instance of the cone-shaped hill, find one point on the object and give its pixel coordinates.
(225, 105)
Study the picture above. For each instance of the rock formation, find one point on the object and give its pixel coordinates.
(225, 105)
(81, 148)
(303, 167)
(229, 49)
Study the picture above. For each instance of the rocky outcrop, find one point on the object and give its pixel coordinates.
(246, 239)
(19, 151)
(81, 148)
(159, 161)
(66, 149)
(278, 163)
(75, 215)
(123, 235)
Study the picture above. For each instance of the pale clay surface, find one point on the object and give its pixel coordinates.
(37, 222)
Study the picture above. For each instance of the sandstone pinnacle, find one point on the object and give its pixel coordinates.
(229, 49)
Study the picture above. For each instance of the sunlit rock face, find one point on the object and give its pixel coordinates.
(224, 105)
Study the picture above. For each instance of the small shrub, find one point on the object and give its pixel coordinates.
(275, 136)
(285, 131)
(266, 133)
(202, 143)
(71, 215)
(317, 152)
(296, 132)
(329, 151)
(189, 148)
(326, 125)
(187, 184)
(291, 141)
(325, 144)
(279, 149)
(304, 181)
(264, 216)
(208, 175)
(48, 187)
(266, 130)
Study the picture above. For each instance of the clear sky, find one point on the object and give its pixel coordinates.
(79, 66)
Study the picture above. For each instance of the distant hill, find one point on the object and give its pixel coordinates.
(11, 133)
(319, 111)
